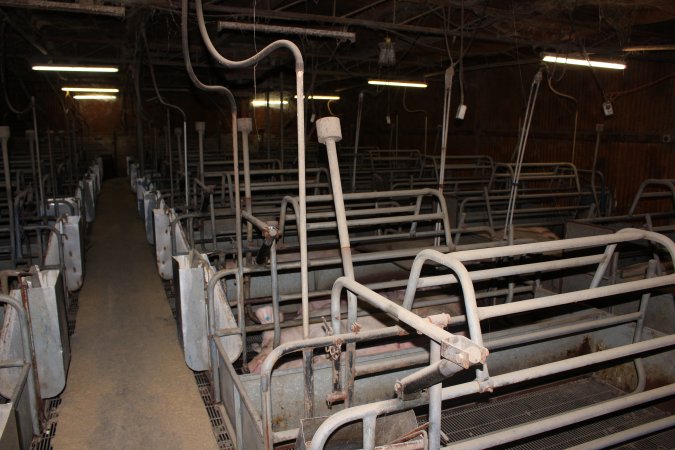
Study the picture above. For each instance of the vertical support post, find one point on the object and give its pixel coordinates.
(268, 127)
(30, 136)
(4, 137)
(359, 110)
(38, 159)
(52, 168)
(199, 128)
(178, 131)
(281, 118)
(435, 399)
(139, 119)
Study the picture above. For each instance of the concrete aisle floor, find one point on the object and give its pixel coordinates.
(128, 385)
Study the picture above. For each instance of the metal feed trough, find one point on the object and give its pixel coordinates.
(564, 332)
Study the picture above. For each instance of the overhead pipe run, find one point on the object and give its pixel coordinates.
(276, 29)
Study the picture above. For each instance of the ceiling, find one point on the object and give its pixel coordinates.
(427, 35)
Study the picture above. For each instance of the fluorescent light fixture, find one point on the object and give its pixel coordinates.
(91, 89)
(397, 83)
(94, 97)
(257, 103)
(321, 97)
(76, 69)
(583, 62)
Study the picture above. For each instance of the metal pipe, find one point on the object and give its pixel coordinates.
(455, 348)
(639, 327)
(328, 132)
(52, 168)
(38, 159)
(182, 152)
(561, 420)
(30, 136)
(200, 127)
(4, 137)
(627, 435)
(522, 143)
(452, 392)
(235, 151)
(170, 155)
(435, 396)
(359, 110)
(276, 29)
(244, 126)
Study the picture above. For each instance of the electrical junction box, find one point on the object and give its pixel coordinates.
(607, 109)
(461, 112)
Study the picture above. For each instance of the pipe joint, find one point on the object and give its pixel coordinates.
(462, 351)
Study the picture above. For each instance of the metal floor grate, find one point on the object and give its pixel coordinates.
(215, 416)
(72, 312)
(44, 441)
(514, 409)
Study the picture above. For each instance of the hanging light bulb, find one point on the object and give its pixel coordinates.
(387, 56)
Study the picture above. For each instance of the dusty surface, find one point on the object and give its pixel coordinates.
(128, 385)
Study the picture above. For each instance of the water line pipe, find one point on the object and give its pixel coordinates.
(235, 160)
(328, 132)
(300, 100)
(245, 126)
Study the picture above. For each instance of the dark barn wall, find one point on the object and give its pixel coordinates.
(631, 147)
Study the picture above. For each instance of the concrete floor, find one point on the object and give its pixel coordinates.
(128, 385)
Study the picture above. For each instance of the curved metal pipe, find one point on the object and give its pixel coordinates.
(235, 155)
(299, 74)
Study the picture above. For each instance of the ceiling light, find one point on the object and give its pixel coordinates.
(257, 103)
(91, 89)
(321, 97)
(76, 69)
(397, 83)
(94, 97)
(583, 62)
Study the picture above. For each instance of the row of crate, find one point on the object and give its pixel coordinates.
(240, 287)
(43, 269)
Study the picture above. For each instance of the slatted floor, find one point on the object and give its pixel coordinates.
(510, 410)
